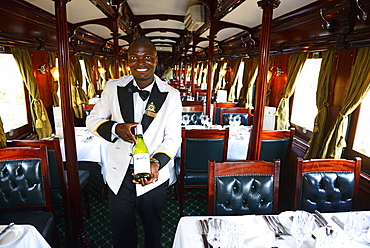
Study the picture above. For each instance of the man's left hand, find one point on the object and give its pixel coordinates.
(153, 175)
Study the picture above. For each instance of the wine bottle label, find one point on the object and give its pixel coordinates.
(141, 163)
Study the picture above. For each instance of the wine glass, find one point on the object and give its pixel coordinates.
(217, 234)
(353, 225)
(231, 120)
(237, 120)
(185, 119)
(302, 226)
(204, 119)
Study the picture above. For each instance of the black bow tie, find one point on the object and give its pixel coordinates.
(144, 94)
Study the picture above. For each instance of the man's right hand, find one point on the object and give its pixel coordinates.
(123, 130)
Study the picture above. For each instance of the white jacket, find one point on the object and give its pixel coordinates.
(162, 134)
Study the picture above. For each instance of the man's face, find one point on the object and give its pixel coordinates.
(142, 59)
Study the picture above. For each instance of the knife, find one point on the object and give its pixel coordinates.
(6, 229)
(338, 221)
(202, 232)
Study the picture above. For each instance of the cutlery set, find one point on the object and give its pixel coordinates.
(203, 228)
(274, 224)
(6, 229)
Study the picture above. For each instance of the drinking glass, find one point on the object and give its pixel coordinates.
(302, 226)
(217, 234)
(353, 225)
(237, 120)
(204, 119)
(209, 122)
(232, 120)
(185, 119)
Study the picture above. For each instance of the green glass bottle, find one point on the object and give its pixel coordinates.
(141, 157)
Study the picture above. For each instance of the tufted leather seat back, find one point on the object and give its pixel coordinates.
(327, 191)
(243, 187)
(243, 194)
(327, 185)
(21, 183)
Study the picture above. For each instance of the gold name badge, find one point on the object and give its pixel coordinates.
(150, 110)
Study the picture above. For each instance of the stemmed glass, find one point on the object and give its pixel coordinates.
(217, 234)
(237, 120)
(302, 226)
(353, 225)
(204, 119)
(185, 119)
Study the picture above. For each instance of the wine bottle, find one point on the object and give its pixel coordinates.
(141, 158)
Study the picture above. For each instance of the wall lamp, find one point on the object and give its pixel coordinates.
(279, 71)
(53, 70)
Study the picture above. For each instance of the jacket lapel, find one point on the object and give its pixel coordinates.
(126, 102)
(153, 106)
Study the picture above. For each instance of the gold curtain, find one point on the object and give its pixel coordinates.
(231, 95)
(41, 119)
(322, 94)
(295, 66)
(2, 135)
(55, 84)
(268, 83)
(218, 79)
(91, 93)
(358, 87)
(108, 66)
(251, 79)
(78, 95)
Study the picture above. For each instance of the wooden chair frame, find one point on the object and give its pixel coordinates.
(325, 165)
(201, 134)
(221, 105)
(246, 167)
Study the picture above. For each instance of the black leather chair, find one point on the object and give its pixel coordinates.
(198, 146)
(194, 113)
(25, 192)
(217, 109)
(243, 187)
(327, 185)
(245, 114)
(58, 174)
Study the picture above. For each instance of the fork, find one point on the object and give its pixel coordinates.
(280, 226)
(272, 227)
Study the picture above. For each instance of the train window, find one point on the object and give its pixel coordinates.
(13, 102)
(304, 107)
(361, 141)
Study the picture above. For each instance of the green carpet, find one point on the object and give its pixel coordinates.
(98, 227)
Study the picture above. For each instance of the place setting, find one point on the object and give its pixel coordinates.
(9, 234)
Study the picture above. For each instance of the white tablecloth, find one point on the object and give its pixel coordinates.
(29, 238)
(257, 233)
(90, 148)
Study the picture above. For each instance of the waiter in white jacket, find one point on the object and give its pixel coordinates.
(125, 102)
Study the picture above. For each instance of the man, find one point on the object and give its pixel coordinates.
(118, 111)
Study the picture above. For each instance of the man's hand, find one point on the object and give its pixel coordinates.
(153, 175)
(123, 130)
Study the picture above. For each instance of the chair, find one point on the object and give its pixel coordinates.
(243, 187)
(216, 110)
(194, 112)
(327, 185)
(193, 103)
(277, 144)
(197, 147)
(245, 114)
(25, 192)
(59, 179)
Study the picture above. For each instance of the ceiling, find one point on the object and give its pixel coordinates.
(246, 14)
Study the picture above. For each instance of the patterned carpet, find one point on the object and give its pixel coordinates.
(98, 228)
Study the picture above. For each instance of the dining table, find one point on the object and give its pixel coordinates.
(22, 236)
(257, 234)
(90, 148)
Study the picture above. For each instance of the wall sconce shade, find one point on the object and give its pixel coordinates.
(47, 68)
(279, 71)
(101, 70)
